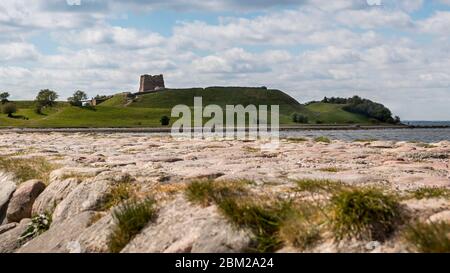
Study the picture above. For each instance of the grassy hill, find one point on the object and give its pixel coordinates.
(147, 109)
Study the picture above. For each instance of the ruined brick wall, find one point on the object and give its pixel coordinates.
(150, 83)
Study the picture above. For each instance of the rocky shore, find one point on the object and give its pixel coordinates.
(61, 192)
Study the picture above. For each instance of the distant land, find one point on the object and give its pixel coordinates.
(145, 110)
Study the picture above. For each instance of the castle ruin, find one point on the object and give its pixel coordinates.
(151, 83)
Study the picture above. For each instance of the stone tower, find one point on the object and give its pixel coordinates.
(151, 83)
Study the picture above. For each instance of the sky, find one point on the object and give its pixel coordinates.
(393, 52)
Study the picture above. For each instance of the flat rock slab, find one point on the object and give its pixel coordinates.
(183, 227)
(22, 200)
(61, 237)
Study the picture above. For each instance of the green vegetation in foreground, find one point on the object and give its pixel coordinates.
(365, 214)
(27, 168)
(148, 109)
(429, 237)
(130, 218)
(427, 193)
(271, 222)
(322, 139)
(38, 225)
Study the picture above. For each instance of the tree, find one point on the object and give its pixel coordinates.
(9, 109)
(4, 97)
(165, 120)
(77, 98)
(46, 97)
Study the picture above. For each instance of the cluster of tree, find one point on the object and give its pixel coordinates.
(299, 118)
(77, 98)
(365, 107)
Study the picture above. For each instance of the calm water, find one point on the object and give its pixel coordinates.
(423, 135)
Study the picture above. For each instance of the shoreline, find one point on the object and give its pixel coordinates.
(168, 129)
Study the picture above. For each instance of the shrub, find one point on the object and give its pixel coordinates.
(364, 214)
(9, 109)
(429, 237)
(322, 139)
(165, 120)
(38, 225)
(130, 218)
(299, 118)
(426, 193)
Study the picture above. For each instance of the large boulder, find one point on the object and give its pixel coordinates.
(61, 237)
(7, 188)
(183, 227)
(53, 195)
(22, 200)
(9, 241)
(87, 196)
(96, 237)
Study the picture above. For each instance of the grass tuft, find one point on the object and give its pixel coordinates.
(302, 228)
(322, 139)
(427, 193)
(364, 214)
(320, 185)
(297, 139)
(130, 219)
(118, 194)
(27, 169)
(429, 237)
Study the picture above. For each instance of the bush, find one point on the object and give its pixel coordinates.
(165, 120)
(130, 219)
(9, 109)
(364, 214)
(299, 118)
(4, 97)
(429, 237)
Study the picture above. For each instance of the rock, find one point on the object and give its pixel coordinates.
(22, 200)
(7, 227)
(443, 216)
(60, 237)
(87, 196)
(53, 195)
(183, 227)
(66, 172)
(95, 238)
(9, 241)
(7, 188)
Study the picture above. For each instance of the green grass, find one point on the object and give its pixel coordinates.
(364, 214)
(330, 113)
(320, 185)
(429, 237)
(303, 227)
(427, 193)
(27, 169)
(146, 110)
(322, 139)
(119, 193)
(264, 220)
(130, 218)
